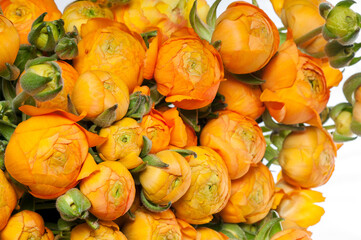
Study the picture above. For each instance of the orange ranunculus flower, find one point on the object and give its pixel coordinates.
(252, 196)
(48, 153)
(181, 135)
(238, 139)
(164, 185)
(96, 91)
(24, 12)
(188, 71)
(204, 233)
(333, 75)
(156, 129)
(307, 157)
(26, 225)
(60, 101)
(110, 46)
(292, 234)
(297, 206)
(9, 42)
(111, 190)
(79, 12)
(8, 200)
(241, 97)
(302, 16)
(249, 38)
(300, 93)
(188, 231)
(124, 143)
(148, 226)
(106, 230)
(210, 187)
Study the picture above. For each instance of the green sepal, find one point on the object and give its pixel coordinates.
(71, 107)
(139, 105)
(47, 95)
(11, 72)
(249, 79)
(26, 53)
(212, 15)
(271, 124)
(354, 61)
(147, 35)
(8, 90)
(33, 83)
(63, 225)
(233, 231)
(190, 117)
(336, 110)
(350, 86)
(153, 160)
(147, 146)
(139, 169)
(202, 29)
(341, 138)
(184, 152)
(39, 19)
(152, 206)
(324, 9)
(67, 48)
(265, 230)
(106, 118)
(356, 127)
(92, 221)
(6, 129)
(345, 3)
(217, 44)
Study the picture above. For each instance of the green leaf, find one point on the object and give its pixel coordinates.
(201, 28)
(152, 206)
(153, 160)
(212, 14)
(190, 117)
(268, 121)
(147, 145)
(7, 129)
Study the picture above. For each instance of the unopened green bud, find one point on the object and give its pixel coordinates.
(341, 114)
(45, 35)
(342, 23)
(26, 53)
(42, 79)
(67, 48)
(139, 105)
(339, 55)
(73, 205)
(343, 123)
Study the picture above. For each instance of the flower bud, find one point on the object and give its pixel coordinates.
(67, 48)
(26, 53)
(45, 35)
(341, 114)
(139, 105)
(72, 205)
(339, 55)
(106, 230)
(342, 23)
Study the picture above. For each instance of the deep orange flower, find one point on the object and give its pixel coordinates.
(297, 206)
(110, 190)
(164, 185)
(300, 93)
(307, 157)
(106, 230)
(26, 225)
(8, 200)
(210, 188)
(124, 143)
(251, 196)
(238, 139)
(24, 12)
(292, 234)
(241, 97)
(110, 46)
(156, 129)
(96, 91)
(79, 12)
(302, 16)
(249, 37)
(48, 153)
(188, 71)
(60, 101)
(148, 226)
(9, 42)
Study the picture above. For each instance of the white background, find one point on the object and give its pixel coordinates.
(343, 191)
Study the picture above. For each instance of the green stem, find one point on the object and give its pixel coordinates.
(309, 35)
(95, 156)
(330, 127)
(19, 99)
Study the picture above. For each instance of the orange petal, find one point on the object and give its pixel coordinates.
(88, 168)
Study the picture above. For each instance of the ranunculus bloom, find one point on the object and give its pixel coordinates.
(307, 157)
(111, 190)
(238, 139)
(292, 234)
(210, 188)
(60, 101)
(149, 226)
(48, 153)
(26, 225)
(96, 91)
(79, 12)
(106, 230)
(188, 231)
(181, 135)
(297, 206)
(241, 97)
(302, 16)
(156, 129)
(24, 12)
(300, 93)
(124, 143)
(204, 233)
(9, 43)
(188, 71)
(249, 37)
(251, 196)
(164, 185)
(8, 200)
(110, 46)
